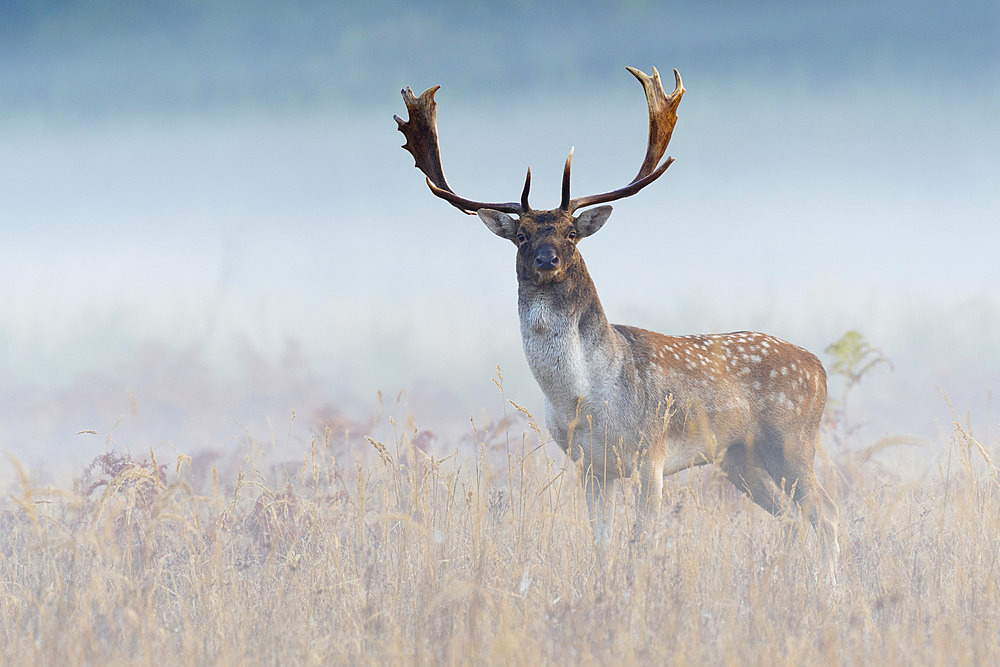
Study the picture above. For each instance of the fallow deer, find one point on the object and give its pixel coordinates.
(622, 400)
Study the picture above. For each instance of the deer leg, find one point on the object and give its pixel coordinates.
(810, 500)
(750, 477)
(594, 487)
(822, 513)
(648, 493)
(810, 496)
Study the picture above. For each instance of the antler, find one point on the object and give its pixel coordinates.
(420, 131)
(662, 118)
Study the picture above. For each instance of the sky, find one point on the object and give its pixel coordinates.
(209, 225)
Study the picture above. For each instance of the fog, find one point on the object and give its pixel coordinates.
(208, 222)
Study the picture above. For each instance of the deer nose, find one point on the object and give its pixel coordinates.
(546, 258)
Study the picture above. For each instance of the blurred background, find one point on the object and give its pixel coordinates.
(208, 224)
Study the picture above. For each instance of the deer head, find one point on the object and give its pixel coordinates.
(546, 239)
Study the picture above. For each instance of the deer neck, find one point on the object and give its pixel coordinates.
(567, 338)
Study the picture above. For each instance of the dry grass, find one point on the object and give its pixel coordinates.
(485, 556)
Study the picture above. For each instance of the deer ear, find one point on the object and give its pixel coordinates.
(591, 220)
(499, 223)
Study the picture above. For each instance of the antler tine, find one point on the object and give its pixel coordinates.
(564, 204)
(662, 118)
(420, 131)
(524, 192)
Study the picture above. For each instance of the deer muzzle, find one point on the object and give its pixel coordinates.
(546, 258)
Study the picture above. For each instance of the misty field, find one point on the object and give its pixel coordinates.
(394, 550)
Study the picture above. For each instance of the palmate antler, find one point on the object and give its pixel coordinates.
(662, 118)
(422, 142)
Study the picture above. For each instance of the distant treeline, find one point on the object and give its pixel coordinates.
(101, 57)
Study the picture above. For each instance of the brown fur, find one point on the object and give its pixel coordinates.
(623, 400)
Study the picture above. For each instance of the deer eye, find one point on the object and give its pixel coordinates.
(571, 235)
(521, 237)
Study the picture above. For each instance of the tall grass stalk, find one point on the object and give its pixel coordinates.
(484, 554)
